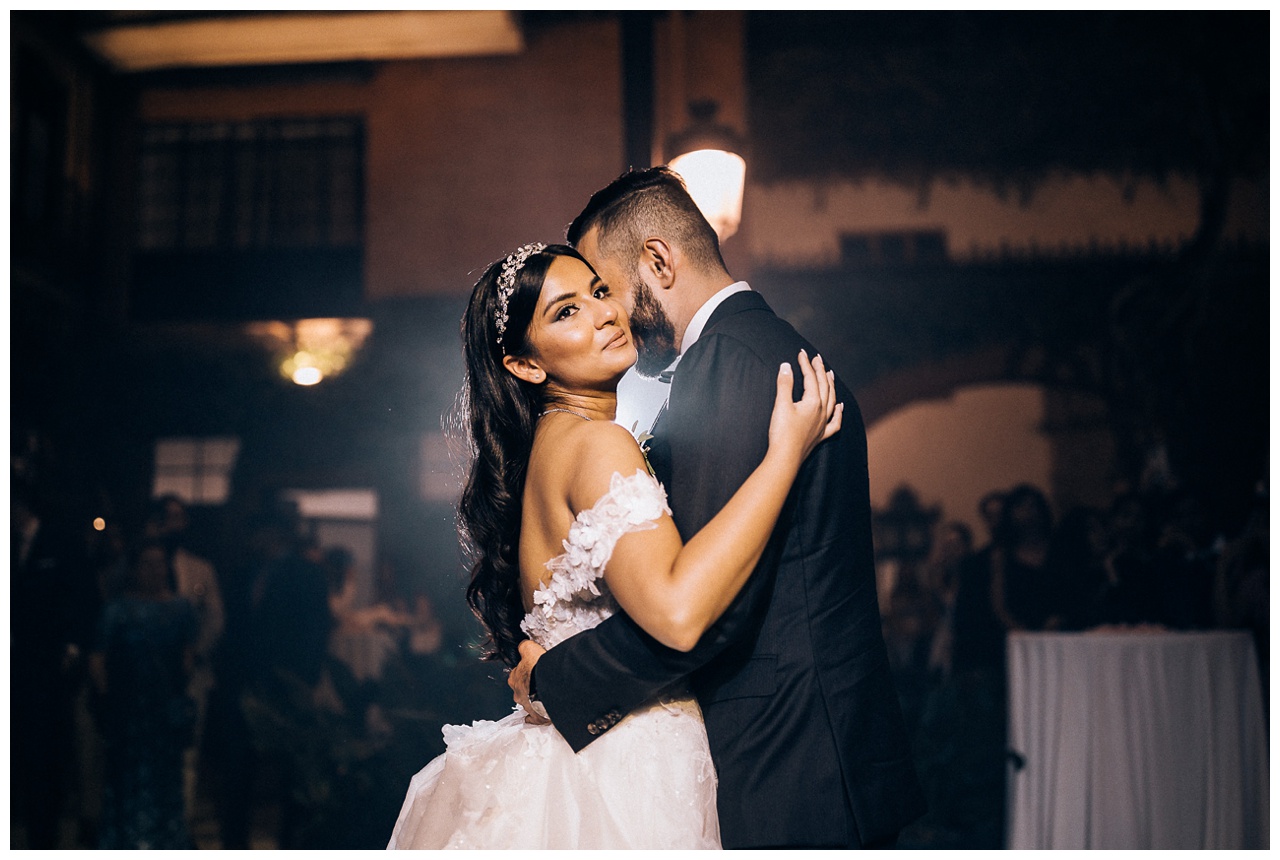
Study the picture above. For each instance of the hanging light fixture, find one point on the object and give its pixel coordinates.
(708, 158)
(308, 351)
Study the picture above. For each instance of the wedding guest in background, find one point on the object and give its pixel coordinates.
(291, 625)
(1131, 592)
(195, 579)
(140, 670)
(1002, 588)
(53, 605)
(109, 561)
(108, 568)
(942, 574)
(194, 576)
(236, 661)
(1185, 557)
(426, 633)
(292, 619)
(1242, 585)
(348, 615)
(990, 509)
(974, 566)
(364, 637)
(911, 620)
(1076, 575)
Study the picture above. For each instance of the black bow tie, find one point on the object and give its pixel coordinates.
(666, 376)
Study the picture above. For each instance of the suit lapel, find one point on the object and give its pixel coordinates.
(659, 446)
(659, 449)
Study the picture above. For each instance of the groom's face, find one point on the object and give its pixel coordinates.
(654, 334)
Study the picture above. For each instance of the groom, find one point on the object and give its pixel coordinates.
(794, 682)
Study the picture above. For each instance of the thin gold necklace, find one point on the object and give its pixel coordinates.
(566, 411)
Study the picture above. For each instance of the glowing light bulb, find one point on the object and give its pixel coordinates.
(715, 180)
(99, 524)
(307, 375)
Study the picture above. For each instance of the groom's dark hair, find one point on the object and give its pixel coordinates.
(643, 203)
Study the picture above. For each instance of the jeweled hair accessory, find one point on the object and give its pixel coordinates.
(507, 283)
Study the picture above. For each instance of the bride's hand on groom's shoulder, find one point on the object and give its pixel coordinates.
(518, 681)
(798, 426)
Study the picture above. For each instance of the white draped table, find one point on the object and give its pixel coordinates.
(1137, 740)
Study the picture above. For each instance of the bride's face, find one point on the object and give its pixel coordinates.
(579, 336)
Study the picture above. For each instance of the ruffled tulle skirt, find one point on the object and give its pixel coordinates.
(646, 783)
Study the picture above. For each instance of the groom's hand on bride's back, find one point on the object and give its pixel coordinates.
(518, 681)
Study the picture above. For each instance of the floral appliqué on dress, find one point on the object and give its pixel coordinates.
(575, 598)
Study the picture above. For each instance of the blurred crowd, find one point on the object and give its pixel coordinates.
(160, 701)
(1151, 560)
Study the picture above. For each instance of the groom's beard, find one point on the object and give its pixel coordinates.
(652, 329)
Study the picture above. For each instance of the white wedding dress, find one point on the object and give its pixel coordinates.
(646, 783)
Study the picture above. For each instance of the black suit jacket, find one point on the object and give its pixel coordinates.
(794, 682)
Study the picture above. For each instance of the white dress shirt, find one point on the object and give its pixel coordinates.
(640, 398)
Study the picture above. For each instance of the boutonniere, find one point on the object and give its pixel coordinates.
(643, 440)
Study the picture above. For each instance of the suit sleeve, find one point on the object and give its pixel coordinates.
(717, 433)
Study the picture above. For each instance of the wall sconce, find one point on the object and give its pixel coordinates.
(708, 159)
(309, 350)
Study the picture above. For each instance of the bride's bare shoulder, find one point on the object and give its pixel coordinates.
(587, 456)
(607, 437)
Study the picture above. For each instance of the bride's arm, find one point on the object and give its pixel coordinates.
(676, 592)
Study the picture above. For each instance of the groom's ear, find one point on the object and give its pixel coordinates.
(523, 367)
(658, 259)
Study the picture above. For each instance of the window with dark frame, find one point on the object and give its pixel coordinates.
(196, 470)
(259, 185)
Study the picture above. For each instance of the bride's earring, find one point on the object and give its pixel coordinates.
(524, 369)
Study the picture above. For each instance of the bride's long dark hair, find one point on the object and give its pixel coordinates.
(501, 412)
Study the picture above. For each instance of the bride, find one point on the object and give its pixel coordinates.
(567, 525)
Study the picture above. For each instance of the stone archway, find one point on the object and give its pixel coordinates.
(958, 429)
